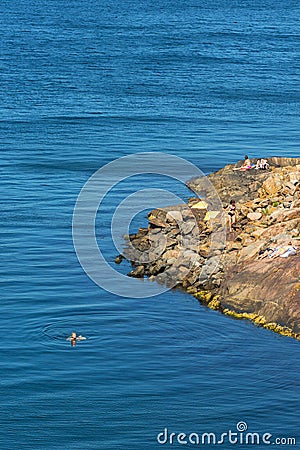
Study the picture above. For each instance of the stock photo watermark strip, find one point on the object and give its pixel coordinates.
(240, 436)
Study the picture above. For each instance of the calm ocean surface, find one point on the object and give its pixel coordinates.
(84, 83)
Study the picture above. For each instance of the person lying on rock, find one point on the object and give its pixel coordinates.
(283, 251)
(292, 250)
(246, 165)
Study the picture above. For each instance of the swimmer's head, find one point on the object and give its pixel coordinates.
(73, 335)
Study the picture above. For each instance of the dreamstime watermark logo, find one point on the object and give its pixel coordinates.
(89, 204)
(239, 436)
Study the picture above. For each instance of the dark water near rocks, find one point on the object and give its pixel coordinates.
(83, 83)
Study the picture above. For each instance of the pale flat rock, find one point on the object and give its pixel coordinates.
(254, 215)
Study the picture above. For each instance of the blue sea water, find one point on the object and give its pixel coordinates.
(84, 83)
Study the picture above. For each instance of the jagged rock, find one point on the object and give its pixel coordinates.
(231, 246)
(187, 227)
(257, 232)
(174, 216)
(291, 214)
(191, 255)
(138, 272)
(171, 261)
(142, 232)
(204, 249)
(172, 233)
(275, 215)
(272, 184)
(171, 242)
(156, 221)
(154, 231)
(235, 281)
(141, 244)
(119, 259)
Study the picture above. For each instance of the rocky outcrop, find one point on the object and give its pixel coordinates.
(188, 245)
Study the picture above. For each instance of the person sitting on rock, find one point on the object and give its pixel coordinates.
(231, 214)
(246, 165)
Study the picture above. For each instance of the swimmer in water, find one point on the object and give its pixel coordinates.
(74, 338)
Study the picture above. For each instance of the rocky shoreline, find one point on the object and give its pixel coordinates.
(188, 246)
